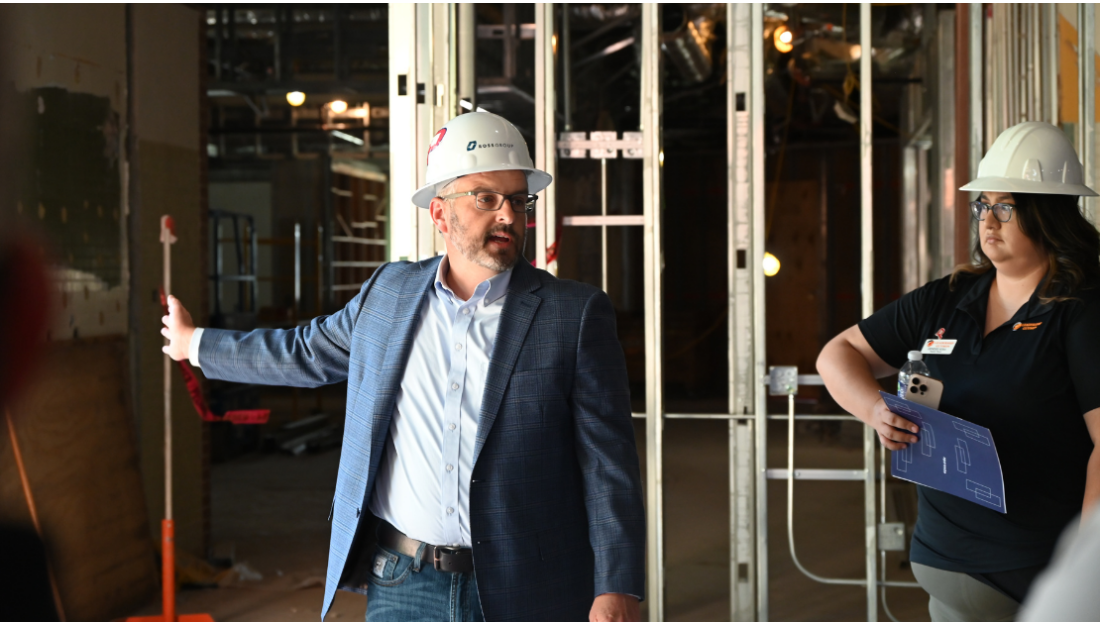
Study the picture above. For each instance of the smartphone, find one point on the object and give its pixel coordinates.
(925, 391)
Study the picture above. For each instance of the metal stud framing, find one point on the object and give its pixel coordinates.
(741, 133)
(423, 57)
(403, 169)
(756, 113)
(545, 153)
(652, 158)
(867, 257)
(1086, 98)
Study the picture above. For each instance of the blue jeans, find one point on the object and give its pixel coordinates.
(404, 588)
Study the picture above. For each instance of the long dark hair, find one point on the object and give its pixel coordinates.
(1071, 244)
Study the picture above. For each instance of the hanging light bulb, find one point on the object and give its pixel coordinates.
(295, 98)
(771, 264)
(338, 106)
(783, 38)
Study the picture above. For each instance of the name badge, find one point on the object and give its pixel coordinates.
(938, 346)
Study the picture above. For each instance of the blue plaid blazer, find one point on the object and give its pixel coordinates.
(556, 512)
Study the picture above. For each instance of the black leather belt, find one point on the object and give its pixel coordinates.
(445, 559)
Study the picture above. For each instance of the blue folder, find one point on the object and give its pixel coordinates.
(953, 455)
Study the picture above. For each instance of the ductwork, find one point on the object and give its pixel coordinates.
(688, 33)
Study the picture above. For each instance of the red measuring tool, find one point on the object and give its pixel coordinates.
(240, 417)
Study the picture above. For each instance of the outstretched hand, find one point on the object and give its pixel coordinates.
(178, 329)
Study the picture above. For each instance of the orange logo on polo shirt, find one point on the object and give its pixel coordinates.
(1026, 326)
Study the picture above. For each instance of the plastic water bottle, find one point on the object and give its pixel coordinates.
(915, 366)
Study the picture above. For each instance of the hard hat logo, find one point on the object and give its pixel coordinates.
(1032, 157)
(435, 142)
(479, 143)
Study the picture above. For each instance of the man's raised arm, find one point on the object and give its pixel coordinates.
(307, 356)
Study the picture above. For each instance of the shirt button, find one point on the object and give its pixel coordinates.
(451, 427)
(458, 345)
(450, 510)
(465, 311)
(450, 467)
(454, 387)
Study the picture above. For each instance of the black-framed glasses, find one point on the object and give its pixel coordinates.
(493, 201)
(1002, 212)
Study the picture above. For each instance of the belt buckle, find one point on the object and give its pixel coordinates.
(438, 560)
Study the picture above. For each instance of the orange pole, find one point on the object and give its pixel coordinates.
(168, 568)
(33, 510)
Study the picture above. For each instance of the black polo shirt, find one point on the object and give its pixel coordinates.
(1030, 382)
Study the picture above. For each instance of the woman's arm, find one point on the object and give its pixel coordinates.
(850, 369)
(1092, 475)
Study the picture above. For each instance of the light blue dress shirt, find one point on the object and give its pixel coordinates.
(423, 483)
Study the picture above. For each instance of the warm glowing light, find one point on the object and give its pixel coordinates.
(661, 158)
(295, 98)
(854, 52)
(554, 43)
(771, 264)
(338, 106)
(783, 39)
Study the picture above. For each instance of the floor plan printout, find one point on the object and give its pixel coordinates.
(953, 455)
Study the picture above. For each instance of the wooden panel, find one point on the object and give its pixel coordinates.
(82, 466)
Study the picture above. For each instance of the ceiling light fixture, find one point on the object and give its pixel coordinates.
(338, 106)
(295, 98)
(783, 38)
(771, 264)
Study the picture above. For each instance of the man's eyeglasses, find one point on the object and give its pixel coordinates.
(493, 201)
(1003, 212)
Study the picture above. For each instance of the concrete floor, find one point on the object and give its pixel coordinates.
(271, 511)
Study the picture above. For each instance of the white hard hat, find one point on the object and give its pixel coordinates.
(475, 143)
(1032, 157)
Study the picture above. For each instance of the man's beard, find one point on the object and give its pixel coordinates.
(478, 251)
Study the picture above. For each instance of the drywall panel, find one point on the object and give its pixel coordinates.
(68, 66)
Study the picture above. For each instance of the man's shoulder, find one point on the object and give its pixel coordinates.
(394, 273)
(553, 287)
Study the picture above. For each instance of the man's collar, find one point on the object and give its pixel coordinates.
(488, 291)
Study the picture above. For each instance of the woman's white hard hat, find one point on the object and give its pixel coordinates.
(1032, 157)
(476, 143)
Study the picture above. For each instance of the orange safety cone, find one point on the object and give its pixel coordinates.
(167, 526)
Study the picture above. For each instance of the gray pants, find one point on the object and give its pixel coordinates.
(954, 597)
